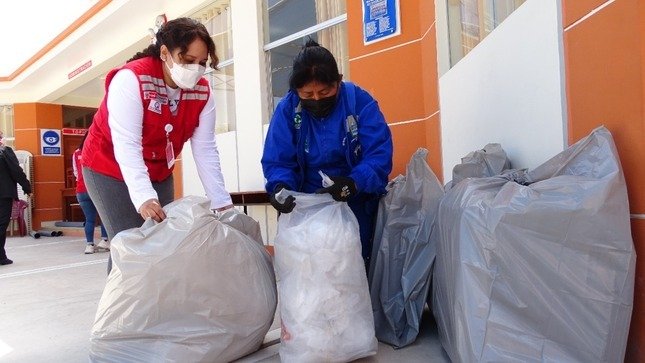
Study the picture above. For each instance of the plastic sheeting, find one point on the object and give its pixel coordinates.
(324, 299)
(542, 272)
(189, 289)
(489, 161)
(403, 255)
(240, 221)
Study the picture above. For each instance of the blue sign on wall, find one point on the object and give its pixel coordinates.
(381, 20)
(50, 142)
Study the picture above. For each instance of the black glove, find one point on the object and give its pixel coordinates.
(343, 188)
(288, 204)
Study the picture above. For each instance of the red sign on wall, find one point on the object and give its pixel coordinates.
(80, 69)
(70, 131)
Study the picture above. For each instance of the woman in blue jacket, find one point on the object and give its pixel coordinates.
(333, 126)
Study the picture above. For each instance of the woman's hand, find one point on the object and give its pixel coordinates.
(288, 204)
(152, 209)
(342, 189)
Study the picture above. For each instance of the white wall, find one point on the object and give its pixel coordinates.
(251, 100)
(241, 149)
(226, 145)
(225, 102)
(508, 89)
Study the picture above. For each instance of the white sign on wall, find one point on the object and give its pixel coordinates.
(50, 142)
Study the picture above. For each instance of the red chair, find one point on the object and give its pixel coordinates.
(18, 217)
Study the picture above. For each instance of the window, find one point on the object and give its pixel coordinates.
(287, 17)
(281, 57)
(470, 21)
(217, 19)
(78, 117)
(6, 124)
(290, 24)
(223, 87)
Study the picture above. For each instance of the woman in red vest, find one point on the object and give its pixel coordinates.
(153, 104)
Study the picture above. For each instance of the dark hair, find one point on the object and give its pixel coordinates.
(179, 33)
(313, 63)
(80, 146)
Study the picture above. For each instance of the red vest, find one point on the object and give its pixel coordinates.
(98, 150)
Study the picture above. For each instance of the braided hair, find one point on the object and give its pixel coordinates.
(179, 33)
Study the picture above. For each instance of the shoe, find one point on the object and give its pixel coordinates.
(89, 249)
(103, 246)
(6, 261)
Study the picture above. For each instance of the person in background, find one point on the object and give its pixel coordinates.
(154, 103)
(332, 126)
(11, 174)
(89, 210)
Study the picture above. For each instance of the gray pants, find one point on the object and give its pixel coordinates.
(112, 201)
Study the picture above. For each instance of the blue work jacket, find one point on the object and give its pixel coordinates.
(353, 140)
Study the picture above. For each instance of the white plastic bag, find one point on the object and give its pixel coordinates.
(324, 300)
(189, 289)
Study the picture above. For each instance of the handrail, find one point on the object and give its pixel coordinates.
(245, 199)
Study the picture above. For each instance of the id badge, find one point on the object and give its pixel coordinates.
(170, 154)
(155, 106)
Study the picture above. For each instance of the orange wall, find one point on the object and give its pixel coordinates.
(605, 78)
(49, 171)
(178, 180)
(401, 73)
(49, 178)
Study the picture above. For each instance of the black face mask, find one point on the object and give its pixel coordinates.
(321, 107)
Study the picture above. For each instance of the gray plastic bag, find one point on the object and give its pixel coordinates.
(242, 222)
(542, 272)
(188, 289)
(489, 161)
(402, 255)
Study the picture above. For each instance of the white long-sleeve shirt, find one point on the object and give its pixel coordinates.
(125, 109)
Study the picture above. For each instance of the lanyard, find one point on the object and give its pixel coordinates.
(170, 152)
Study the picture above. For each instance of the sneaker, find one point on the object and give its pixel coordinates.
(103, 246)
(5, 261)
(89, 249)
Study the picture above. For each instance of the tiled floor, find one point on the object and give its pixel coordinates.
(49, 296)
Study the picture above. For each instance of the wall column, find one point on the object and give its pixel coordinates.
(250, 91)
(401, 73)
(604, 43)
(49, 171)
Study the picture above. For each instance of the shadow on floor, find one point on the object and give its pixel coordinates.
(426, 348)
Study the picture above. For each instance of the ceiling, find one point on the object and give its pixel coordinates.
(107, 39)
(49, 20)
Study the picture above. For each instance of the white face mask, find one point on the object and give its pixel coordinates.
(185, 76)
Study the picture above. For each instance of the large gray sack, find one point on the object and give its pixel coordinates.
(538, 267)
(188, 289)
(489, 161)
(402, 255)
